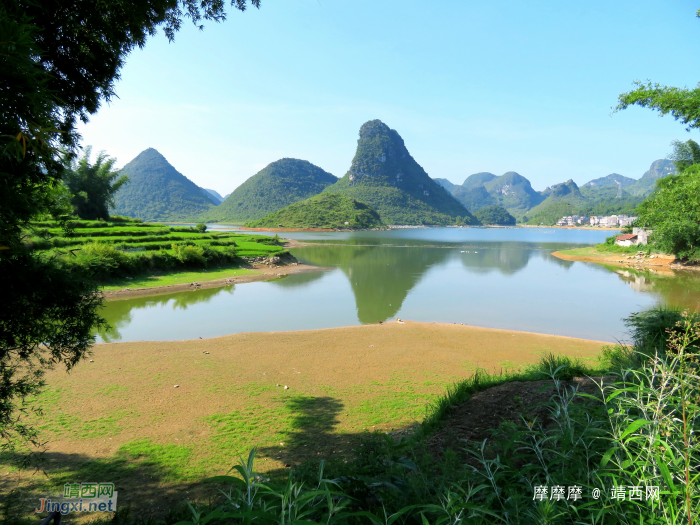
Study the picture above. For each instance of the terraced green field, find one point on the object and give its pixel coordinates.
(120, 248)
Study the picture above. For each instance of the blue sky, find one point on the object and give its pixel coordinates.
(470, 86)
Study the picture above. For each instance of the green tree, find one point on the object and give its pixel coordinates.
(495, 215)
(673, 212)
(93, 185)
(59, 60)
(682, 103)
(685, 154)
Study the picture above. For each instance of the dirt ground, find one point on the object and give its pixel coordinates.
(154, 417)
(659, 263)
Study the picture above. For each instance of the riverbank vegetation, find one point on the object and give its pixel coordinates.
(629, 448)
(623, 452)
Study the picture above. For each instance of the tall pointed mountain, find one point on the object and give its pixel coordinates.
(156, 191)
(385, 176)
(276, 186)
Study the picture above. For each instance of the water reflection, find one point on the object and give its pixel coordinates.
(119, 314)
(501, 284)
(673, 287)
(380, 276)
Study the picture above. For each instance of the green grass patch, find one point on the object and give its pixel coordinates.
(170, 278)
(605, 250)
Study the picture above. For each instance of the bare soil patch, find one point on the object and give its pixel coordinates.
(475, 419)
(660, 263)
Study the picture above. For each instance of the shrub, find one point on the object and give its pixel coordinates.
(189, 255)
(101, 259)
(651, 330)
(201, 227)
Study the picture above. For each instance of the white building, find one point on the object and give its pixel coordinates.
(626, 221)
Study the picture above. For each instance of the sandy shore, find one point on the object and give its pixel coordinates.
(660, 263)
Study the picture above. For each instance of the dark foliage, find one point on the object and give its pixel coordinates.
(46, 318)
(93, 185)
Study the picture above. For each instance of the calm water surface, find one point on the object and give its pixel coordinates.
(499, 278)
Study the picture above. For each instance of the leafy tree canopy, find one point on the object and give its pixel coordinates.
(673, 212)
(682, 103)
(496, 215)
(93, 185)
(59, 60)
(685, 154)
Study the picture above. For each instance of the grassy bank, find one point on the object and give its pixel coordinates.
(175, 277)
(632, 431)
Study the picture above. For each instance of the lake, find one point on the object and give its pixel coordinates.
(491, 277)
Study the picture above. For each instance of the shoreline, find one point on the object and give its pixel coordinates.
(297, 396)
(595, 228)
(660, 262)
(266, 273)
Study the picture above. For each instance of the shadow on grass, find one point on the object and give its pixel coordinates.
(143, 483)
(149, 476)
(311, 435)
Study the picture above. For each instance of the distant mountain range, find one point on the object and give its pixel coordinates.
(218, 198)
(613, 193)
(384, 176)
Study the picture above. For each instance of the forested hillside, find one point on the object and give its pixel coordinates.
(279, 184)
(157, 192)
(327, 210)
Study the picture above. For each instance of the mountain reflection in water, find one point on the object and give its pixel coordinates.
(505, 284)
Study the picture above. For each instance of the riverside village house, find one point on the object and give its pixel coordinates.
(638, 237)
